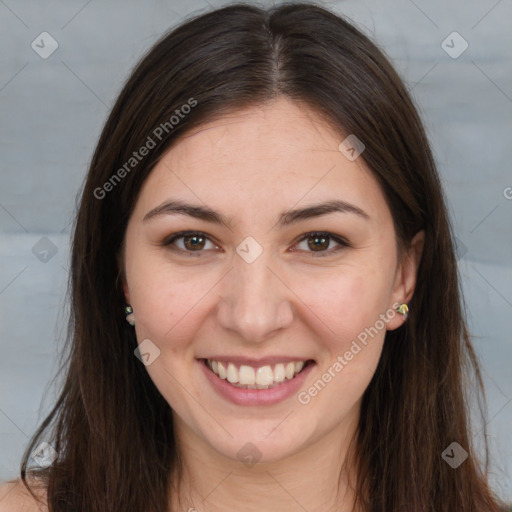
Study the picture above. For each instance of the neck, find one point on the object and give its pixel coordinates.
(314, 479)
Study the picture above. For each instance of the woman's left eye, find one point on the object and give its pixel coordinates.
(319, 241)
(195, 241)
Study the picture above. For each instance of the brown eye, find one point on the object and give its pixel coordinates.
(194, 242)
(189, 242)
(319, 242)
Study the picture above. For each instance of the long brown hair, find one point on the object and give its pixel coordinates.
(111, 428)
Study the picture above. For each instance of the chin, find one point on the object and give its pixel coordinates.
(253, 442)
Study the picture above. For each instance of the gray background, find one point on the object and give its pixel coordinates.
(52, 111)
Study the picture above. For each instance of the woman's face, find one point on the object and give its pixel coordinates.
(252, 290)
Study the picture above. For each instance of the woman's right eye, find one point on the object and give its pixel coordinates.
(192, 242)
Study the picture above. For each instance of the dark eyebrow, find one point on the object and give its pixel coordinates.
(285, 219)
(317, 210)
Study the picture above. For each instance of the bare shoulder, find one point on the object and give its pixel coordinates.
(14, 497)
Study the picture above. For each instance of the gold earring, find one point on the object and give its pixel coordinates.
(130, 318)
(403, 309)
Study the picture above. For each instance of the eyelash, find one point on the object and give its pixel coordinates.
(168, 242)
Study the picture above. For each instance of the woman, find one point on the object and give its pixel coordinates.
(265, 304)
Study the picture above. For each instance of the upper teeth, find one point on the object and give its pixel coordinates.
(262, 377)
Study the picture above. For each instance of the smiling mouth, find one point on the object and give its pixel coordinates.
(263, 377)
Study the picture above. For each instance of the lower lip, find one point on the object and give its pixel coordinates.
(242, 396)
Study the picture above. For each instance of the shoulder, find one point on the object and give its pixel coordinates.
(14, 497)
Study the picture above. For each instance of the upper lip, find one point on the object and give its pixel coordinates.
(251, 361)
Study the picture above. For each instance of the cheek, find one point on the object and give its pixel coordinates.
(162, 300)
(351, 301)
(353, 340)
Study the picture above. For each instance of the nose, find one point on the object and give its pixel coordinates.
(255, 300)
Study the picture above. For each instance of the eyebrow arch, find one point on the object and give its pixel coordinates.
(175, 207)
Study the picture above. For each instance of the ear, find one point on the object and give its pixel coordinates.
(125, 288)
(405, 278)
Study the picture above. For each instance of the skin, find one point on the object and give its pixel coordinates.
(251, 166)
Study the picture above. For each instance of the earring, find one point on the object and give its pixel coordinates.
(130, 318)
(403, 309)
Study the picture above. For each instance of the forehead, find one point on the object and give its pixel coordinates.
(272, 156)
(277, 131)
